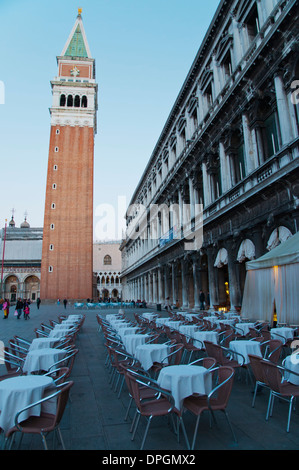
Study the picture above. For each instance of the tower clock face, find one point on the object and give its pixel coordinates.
(75, 71)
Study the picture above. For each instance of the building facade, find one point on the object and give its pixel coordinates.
(107, 267)
(221, 186)
(67, 257)
(22, 249)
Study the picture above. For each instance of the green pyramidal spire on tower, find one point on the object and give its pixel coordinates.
(76, 47)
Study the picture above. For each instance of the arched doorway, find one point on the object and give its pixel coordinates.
(223, 278)
(11, 288)
(32, 288)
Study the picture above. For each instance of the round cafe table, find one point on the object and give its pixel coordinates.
(18, 392)
(184, 380)
(42, 359)
(132, 341)
(243, 328)
(188, 330)
(282, 333)
(147, 354)
(60, 332)
(40, 343)
(245, 347)
(200, 336)
(292, 363)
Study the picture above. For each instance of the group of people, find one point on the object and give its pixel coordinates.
(21, 306)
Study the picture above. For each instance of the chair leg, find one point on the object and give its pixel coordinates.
(195, 433)
(271, 398)
(44, 441)
(289, 414)
(135, 426)
(229, 423)
(128, 409)
(254, 395)
(60, 437)
(184, 432)
(146, 431)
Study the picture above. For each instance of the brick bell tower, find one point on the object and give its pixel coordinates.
(67, 261)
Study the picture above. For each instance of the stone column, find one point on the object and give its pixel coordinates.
(234, 286)
(196, 281)
(206, 185)
(174, 283)
(184, 264)
(213, 291)
(251, 157)
(160, 286)
(283, 111)
(150, 296)
(154, 287)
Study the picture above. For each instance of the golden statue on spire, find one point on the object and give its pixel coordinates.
(79, 11)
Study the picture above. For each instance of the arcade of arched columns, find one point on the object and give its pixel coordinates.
(218, 270)
(23, 285)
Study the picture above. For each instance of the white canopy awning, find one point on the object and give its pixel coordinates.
(285, 253)
(246, 251)
(272, 280)
(221, 258)
(279, 235)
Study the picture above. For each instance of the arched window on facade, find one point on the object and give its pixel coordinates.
(77, 101)
(84, 102)
(70, 101)
(62, 100)
(107, 260)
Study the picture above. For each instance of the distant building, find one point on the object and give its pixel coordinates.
(22, 261)
(22, 264)
(107, 267)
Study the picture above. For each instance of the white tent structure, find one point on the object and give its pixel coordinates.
(272, 280)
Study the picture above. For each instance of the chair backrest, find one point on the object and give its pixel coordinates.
(256, 367)
(175, 357)
(275, 348)
(214, 350)
(209, 362)
(272, 375)
(59, 375)
(62, 399)
(224, 387)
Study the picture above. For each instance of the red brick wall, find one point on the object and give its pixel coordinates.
(72, 236)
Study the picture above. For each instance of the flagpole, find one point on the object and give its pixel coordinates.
(3, 254)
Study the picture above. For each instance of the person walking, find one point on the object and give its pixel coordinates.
(6, 306)
(65, 303)
(202, 299)
(38, 302)
(19, 307)
(26, 312)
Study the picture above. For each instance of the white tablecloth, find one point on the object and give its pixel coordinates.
(183, 380)
(292, 363)
(162, 320)
(60, 332)
(41, 343)
(132, 341)
(173, 324)
(188, 330)
(42, 359)
(245, 347)
(130, 330)
(204, 336)
(147, 354)
(243, 328)
(287, 333)
(18, 392)
(149, 315)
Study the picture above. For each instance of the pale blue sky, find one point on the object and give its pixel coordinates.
(143, 50)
